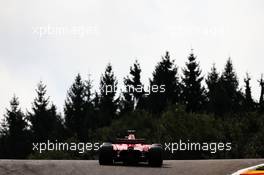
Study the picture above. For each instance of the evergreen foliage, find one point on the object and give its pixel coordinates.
(214, 91)
(108, 104)
(44, 119)
(185, 111)
(133, 96)
(15, 135)
(193, 93)
(78, 110)
(166, 75)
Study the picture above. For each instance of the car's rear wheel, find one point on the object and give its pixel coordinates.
(106, 154)
(155, 156)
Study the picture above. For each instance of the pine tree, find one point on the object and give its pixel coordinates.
(43, 121)
(90, 108)
(107, 103)
(166, 75)
(212, 82)
(229, 78)
(88, 90)
(4, 127)
(56, 123)
(212, 79)
(133, 96)
(261, 99)
(89, 105)
(232, 97)
(193, 93)
(249, 103)
(76, 108)
(96, 101)
(15, 118)
(3, 138)
(16, 136)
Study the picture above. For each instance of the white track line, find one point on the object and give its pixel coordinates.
(247, 169)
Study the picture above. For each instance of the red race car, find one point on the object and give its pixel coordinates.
(130, 150)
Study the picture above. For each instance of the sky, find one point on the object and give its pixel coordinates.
(53, 40)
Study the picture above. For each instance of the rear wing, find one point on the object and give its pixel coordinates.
(129, 141)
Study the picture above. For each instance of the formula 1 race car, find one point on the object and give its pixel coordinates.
(130, 150)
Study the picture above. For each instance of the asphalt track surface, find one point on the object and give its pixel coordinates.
(87, 167)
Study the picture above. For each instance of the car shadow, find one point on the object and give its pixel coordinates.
(141, 165)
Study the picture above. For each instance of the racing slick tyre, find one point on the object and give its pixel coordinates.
(155, 155)
(106, 154)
